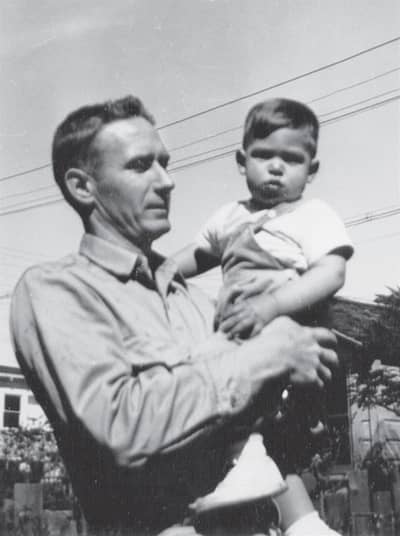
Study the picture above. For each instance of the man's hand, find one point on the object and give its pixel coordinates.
(291, 354)
(314, 357)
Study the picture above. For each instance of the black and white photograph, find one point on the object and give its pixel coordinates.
(200, 268)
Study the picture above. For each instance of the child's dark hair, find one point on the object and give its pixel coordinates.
(267, 116)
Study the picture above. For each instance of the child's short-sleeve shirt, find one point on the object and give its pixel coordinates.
(296, 237)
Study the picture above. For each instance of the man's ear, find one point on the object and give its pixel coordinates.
(241, 161)
(314, 167)
(79, 185)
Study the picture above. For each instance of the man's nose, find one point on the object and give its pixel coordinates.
(164, 179)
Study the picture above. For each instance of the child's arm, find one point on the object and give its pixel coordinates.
(321, 281)
(193, 260)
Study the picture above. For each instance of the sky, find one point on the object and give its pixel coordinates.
(183, 57)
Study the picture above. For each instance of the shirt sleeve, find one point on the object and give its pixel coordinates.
(69, 345)
(209, 238)
(322, 232)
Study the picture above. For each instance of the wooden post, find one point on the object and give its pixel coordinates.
(28, 502)
(360, 507)
(382, 506)
(396, 498)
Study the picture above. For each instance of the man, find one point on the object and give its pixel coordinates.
(120, 351)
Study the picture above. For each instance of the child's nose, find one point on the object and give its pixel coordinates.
(275, 165)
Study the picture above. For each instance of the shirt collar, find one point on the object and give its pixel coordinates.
(119, 261)
(129, 263)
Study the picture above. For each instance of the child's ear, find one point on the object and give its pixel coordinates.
(241, 161)
(314, 167)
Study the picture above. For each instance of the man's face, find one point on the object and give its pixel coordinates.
(277, 167)
(131, 187)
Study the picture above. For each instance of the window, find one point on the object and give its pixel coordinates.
(32, 400)
(12, 404)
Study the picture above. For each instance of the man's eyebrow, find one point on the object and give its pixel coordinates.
(145, 155)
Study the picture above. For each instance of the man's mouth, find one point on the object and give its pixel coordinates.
(159, 207)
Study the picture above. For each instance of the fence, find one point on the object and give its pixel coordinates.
(357, 509)
(47, 508)
(352, 507)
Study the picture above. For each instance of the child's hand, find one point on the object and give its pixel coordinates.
(246, 317)
(226, 300)
(241, 319)
(227, 297)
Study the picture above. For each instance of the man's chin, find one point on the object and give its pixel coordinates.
(157, 229)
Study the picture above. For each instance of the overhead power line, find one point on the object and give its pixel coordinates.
(55, 198)
(322, 122)
(257, 92)
(25, 172)
(330, 94)
(53, 187)
(372, 216)
(282, 83)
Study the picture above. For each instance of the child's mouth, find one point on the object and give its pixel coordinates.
(272, 187)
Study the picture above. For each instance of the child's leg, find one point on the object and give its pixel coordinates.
(293, 503)
(297, 514)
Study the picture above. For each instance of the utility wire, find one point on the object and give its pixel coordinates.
(19, 194)
(228, 146)
(233, 129)
(282, 83)
(372, 216)
(26, 172)
(323, 122)
(252, 94)
(350, 222)
(50, 199)
(321, 97)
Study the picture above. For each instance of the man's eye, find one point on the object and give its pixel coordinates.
(141, 164)
(163, 162)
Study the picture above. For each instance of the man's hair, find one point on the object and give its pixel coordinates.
(74, 136)
(270, 115)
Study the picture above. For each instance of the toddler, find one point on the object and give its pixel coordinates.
(280, 255)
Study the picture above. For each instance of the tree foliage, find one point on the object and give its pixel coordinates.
(378, 380)
(383, 335)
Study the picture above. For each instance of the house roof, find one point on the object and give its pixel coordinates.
(354, 317)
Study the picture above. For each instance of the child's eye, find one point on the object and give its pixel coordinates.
(263, 154)
(293, 158)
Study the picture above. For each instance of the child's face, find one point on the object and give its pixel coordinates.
(278, 167)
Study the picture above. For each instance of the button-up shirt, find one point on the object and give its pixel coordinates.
(121, 354)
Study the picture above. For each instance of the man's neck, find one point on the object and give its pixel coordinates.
(112, 235)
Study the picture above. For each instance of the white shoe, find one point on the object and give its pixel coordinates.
(254, 476)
